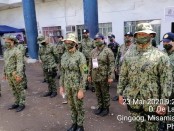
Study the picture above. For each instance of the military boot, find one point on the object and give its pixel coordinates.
(20, 108)
(80, 128)
(47, 94)
(54, 94)
(98, 111)
(14, 106)
(105, 112)
(73, 127)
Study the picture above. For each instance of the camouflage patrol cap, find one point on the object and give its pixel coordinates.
(71, 36)
(11, 37)
(41, 39)
(145, 28)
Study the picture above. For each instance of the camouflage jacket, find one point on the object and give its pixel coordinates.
(48, 56)
(13, 62)
(60, 47)
(86, 46)
(120, 55)
(74, 70)
(105, 58)
(144, 73)
(22, 48)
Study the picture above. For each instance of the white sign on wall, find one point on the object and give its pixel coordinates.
(169, 14)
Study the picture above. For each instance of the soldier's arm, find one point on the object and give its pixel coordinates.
(61, 82)
(20, 63)
(80, 46)
(165, 73)
(117, 58)
(84, 70)
(90, 65)
(123, 78)
(111, 64)
(55, 53)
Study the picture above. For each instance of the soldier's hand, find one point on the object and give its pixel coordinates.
(110, 81)
(18, 79)
(121, 100)
(161, 110)
(61, 90)
(89, 79)
(80, 94)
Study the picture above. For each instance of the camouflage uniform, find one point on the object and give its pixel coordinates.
(101, 74)
(47, 56)
(14, 64)
(22, 48)
(145, 74)
(86, 46)
(60, 49)
(73, 78)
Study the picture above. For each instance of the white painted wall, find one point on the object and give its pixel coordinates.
(53, 14)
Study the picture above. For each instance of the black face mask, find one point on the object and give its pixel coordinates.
(111, 40)
(168, 47)
(43, 43)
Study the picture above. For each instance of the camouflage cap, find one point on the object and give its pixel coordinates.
(11, 37)
(145, 28)
(71, 36)
(41, 39)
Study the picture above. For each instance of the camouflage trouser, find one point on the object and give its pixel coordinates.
(146, 125)
(76, 106)
(102, 93)
(17, 89)
(51, 81)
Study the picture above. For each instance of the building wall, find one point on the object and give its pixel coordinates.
(70, 12)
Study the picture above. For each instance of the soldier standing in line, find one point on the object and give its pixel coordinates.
(168, 44)
(145, 75)
(60, 48)
(86, 46)
(73, 79)
(14, 71)
(20, 45)
(101, 73)
(47, 56)
(128, 39)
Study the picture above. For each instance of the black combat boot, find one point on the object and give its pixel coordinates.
(73, 127)
(80, 128)
(105, 112)
(26, 87)
(20, 108)
(47, 94)
(98, 111)
(44, 81)
(14, 106)
(53, 94)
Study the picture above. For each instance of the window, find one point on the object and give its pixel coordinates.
(130, 26)
(104, 28)
(51, 32)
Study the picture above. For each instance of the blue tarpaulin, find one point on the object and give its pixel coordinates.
(8, 29)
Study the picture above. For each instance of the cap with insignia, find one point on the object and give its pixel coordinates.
(168, 37)
(85, 31)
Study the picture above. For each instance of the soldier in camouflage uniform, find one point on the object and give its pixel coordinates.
(86, 46)
(14, 71)
(101, 72)
(145, 75)
(73, 79)
(168, 44)
(60, 47)
(120, 55)
(48, 57)
(20, 45)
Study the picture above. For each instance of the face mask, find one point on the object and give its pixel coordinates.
(143, 40)
(7, 44)
(168, 47)
(111, 40)
(98, 44)
(69, 46)
(43, 43)
(127, 40)
(85, 36)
